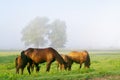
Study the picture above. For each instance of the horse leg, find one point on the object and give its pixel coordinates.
(80, 65)
(32, 67)
(61, 66)
(22, 69)
(28, 68)
(69, 67)
(37, 67)
(48, 66)
(64, 67)
(58, 65)
(17, 70)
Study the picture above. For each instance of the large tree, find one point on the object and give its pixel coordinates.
(34, 33)
(57, 34)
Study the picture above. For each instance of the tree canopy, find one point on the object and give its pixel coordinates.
(39, 32)
(58, 34)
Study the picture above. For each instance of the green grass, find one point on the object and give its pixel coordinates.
(102, 65)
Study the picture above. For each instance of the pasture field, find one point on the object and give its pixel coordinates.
(104, 66)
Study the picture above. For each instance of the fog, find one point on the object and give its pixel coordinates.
(91, 24)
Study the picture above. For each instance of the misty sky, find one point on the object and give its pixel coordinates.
(91, 24)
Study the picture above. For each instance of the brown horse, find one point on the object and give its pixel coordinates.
(20, 63)
(68, 61)
(80, 58)
(48, 55)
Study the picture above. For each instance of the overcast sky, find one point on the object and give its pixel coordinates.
(92, 24)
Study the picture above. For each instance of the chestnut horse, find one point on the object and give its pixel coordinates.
(68, 61)
(80, 58)
(48, 55)
(20, 63)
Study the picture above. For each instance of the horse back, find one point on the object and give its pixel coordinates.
(74, 56)
(18, 62)
(40, 55)
(78, 57)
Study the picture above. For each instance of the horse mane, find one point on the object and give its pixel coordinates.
(58, 56)
(87, 62)
(30, 50)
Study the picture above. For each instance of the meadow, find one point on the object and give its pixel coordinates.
(104, 66)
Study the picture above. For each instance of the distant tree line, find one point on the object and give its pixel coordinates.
(40, 32)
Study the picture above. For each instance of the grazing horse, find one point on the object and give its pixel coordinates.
(68, 61)
(48, 55)
(21, 63)
(80, 58)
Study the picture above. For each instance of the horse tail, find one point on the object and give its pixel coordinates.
(87, 62)
(16, 64)
(22, 54)
(58, 57)
(24, 58)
